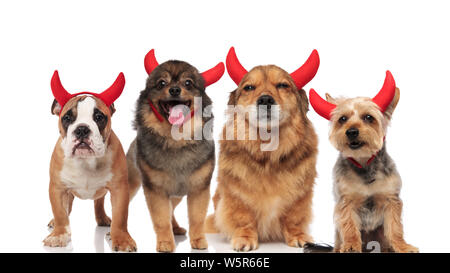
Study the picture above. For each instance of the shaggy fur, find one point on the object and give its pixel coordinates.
(167, 168)
(267, 195)
(368, 206)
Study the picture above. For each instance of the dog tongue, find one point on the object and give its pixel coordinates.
(176, 115)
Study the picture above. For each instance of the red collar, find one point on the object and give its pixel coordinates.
(356, 163)
(160, 118)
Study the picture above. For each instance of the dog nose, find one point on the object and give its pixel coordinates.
(265, 100)
(175, 91)
(352, 133)
(82, 132)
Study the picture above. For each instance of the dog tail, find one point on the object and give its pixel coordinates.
(210, 224)
(317, 248)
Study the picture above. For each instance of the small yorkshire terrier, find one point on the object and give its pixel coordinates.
(366, 182)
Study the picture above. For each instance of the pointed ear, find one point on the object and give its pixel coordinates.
(112, 109)
(56, 108)
(390, 109)
(330, 98)
(232, 98)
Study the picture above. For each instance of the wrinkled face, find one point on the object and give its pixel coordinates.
(357, 127)
(172, 87)
(268, 93)
(85, 126)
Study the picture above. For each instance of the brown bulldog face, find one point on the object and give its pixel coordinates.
(85, 126)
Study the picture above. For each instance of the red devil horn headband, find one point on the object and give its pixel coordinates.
(382, 99)
(301, 76)
(210, 76)
(387, 92)
(108, 96)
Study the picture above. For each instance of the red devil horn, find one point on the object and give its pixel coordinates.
(307, 71)
(113, 92)
(234, 67)
(321, 106)
(60, 94)
(387, 92)
(150, 61)
(214, 74)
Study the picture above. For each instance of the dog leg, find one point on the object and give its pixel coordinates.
(67, 202)
(121, 239)
(348, 225)
(100, 215)
(393, 228)
(160, 209)
(177, 230)
(296, 222)
(197, 209)
(337, 242)
(134, 174)
(60, 236)
(238, 221)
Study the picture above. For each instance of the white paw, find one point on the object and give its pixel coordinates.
(60, 240)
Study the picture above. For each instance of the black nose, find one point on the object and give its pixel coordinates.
(82, 132)
(175, 91)
(265, 100)
(352, 133)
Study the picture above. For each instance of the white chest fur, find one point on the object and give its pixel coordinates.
(85, 176)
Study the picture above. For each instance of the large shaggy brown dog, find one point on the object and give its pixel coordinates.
(266, 194)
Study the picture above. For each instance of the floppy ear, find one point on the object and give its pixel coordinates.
(390, 109)
(232, 98)
(56, 108)
(330, 98)
(112, 109)
(304, 102)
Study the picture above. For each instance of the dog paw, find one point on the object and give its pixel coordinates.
(123, 242)
(57, 240)
(179, 231)
(51, 224)
(244, 243)
(165, 246)
(199, 243)
(103, 221)
(405, 248)
(299, 240)
(351, 248)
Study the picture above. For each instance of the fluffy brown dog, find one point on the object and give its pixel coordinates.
(267, 194)
(170, 168)
(366, 182)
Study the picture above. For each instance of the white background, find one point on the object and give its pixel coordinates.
(91, 42)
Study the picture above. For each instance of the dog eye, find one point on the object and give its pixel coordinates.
(342, 119)
(98, 117)
(67, 117)
(188, 83)
(282, 85)
(249, 87)
(161, 84)
(368, 118)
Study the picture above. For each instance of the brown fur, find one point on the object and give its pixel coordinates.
(267, 195)
(356, 225)
(61, 198)
(187, 170)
